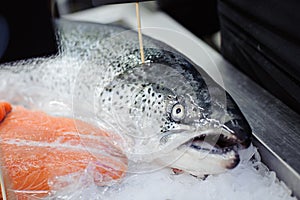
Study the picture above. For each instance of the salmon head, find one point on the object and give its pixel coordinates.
(175, 112)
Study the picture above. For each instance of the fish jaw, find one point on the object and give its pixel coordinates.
(241, 131)
(200, 153)
(200, 163)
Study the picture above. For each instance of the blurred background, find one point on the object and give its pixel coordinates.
(200, 18)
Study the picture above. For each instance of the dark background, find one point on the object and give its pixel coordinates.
(29, 27)
(259, 37)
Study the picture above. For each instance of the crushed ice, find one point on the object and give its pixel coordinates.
(250, 180)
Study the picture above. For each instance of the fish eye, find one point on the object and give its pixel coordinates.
(177, 112)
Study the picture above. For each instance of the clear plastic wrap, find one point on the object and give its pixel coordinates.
(42, 154)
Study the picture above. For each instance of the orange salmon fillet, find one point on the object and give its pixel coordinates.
(36, 148)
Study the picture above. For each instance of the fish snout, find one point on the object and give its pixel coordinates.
(241, 130)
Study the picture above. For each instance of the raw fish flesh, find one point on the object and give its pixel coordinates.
(37, 149)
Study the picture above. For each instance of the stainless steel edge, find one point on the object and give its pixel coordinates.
(283, 171)
(275, 126)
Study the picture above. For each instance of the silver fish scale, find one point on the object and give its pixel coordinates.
(144, 94)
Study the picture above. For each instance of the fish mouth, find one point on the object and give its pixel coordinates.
(222, 145)
(216, 145)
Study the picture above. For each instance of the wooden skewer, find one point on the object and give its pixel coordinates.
(2, 186)
(140, 31)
